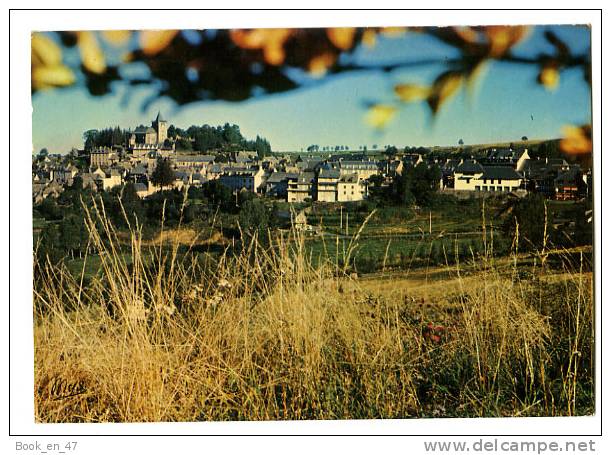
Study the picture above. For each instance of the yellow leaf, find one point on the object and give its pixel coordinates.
(412, 92)
(577, 139)
(154, 41)
(341, 37)
(44, 50)
(92, 56)
(319, 64)
(51, 76)
(394, 32)
(477, 71)
(444, 88)
(380, 114)
(117, 37)
(369, 37)
(549, 77)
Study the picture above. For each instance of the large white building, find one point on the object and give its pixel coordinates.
(250, 179)
(475, 177)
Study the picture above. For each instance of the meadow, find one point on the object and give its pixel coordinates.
(158, 333)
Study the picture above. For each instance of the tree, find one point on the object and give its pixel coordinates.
(163, 175)
(172, 131)
(417, 185)
(254, 217)
(43, 153)
(461, 142)
(524, 138)
(184, 144)
(390, 151)
(530, 215)
(219, 195)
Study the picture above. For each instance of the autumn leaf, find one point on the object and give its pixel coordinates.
(444, 88)
(393, 32)
(154, 41)
(319, 64)
(270, 41)
(92, 56)
(117, 37)
(577, 140)
(44, 77)
(467, 34)
(45, 51)
(502, 38)
(410, 93)
(380, 114)
(47, 68)
(549, 76)
(341, 37)
(369, 38)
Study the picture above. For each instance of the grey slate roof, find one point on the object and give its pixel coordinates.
(469, 167)
(277, 177)
(500, 172)
(195, 158)
(328, 173)
(144, 129)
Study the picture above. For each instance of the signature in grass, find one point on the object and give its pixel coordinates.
(61, 388)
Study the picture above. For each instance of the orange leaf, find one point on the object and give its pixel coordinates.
(271, 41)
(154, 41)
(577, 139)
(319, 64)
(467, 34)
(341, 37)
(504, 37)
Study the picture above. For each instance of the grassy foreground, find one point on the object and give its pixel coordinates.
(270, 334)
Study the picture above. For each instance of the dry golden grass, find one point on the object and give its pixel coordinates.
(266, 335)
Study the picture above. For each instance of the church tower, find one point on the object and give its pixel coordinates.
(161, 127)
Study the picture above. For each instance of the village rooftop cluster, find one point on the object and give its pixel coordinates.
(344, 177)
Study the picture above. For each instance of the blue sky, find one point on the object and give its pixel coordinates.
(332, 113)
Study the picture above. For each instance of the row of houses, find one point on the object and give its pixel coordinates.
(510, 171)
(334, 179)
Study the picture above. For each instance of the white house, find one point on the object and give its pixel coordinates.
(489, 178)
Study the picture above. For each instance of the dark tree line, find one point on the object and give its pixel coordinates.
(106, 137)
(226, 138)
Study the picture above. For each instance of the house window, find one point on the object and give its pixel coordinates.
(499, 181)
(506, 188)
(477, 188)
(484, 188)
